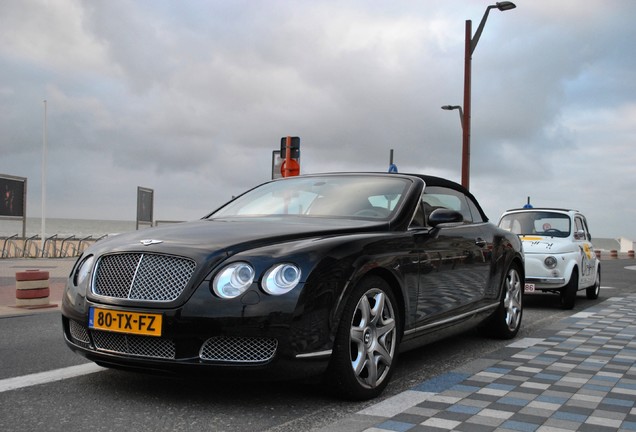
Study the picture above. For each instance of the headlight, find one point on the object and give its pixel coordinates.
(281, 279)
(550, 262)
(83, 270)
(233, 280)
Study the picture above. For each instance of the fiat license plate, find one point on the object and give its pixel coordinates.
(529, 287)
(147, 324)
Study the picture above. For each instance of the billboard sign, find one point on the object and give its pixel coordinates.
(145, 204)
(12, 197)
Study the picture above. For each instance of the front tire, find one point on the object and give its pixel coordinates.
(506, 321)
(365, 349)
(568, 292)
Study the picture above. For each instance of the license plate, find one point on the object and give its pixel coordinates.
(529, 287)
(147, 324)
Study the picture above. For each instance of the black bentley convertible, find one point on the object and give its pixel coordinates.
(330, 274)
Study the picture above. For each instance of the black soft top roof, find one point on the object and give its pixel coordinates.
(442, 182)
(429, 180)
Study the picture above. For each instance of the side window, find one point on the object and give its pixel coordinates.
(587, 230)
(474, 211)
(418, 218)
(435, 197)
(578, 224)
(581, 225)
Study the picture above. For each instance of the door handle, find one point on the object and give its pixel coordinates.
(480, 242)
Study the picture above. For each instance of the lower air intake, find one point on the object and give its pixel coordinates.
(238, 350)
(140, 346)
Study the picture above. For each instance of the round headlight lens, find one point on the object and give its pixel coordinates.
(281, 279)
(233, 280)
(550, 262)
(84, 269)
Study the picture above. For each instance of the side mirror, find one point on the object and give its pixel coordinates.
(442, 216)
(579, 235)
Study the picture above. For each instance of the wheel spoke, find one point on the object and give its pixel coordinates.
(382, 355)
(365, 311)
(357, 334)
(372, 373)
(361, 362)
(387, 327)
(378, 309)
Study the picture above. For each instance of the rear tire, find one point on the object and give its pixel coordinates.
(366, 346)
(593, 291)
(568, 292)
(506, 321)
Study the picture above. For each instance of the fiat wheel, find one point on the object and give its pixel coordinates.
(568, 292)
(365, 349)
(593, 291)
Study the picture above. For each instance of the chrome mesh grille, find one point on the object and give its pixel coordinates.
(137, 276)
(238, 350)
(141, 346)
(79, 333)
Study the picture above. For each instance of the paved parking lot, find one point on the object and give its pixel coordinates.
(576, 375)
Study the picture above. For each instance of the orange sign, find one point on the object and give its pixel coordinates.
(290, 168)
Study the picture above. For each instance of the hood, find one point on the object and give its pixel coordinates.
(547, 245)
(211, 236)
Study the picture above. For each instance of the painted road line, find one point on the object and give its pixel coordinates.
(48, 376)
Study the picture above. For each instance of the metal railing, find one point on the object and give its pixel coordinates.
(10, 244)
(52, 247)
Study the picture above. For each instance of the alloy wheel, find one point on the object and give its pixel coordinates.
(513, 299)
(373, 338)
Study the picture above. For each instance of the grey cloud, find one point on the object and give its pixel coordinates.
(191, 98)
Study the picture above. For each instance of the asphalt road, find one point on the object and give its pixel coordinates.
(112, 400)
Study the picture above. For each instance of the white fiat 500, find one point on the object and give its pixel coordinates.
(559, 256)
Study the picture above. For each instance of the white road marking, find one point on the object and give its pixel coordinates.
(48, 376)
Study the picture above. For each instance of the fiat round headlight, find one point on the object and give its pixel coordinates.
(233, 280)
(281, 279)
(83, 270)
(550, 262)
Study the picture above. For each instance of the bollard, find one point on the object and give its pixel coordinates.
(32, 289)
(613, 254)
(630, 254)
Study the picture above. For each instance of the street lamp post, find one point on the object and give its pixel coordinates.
(471, 44)
(461, 112)
(44, 133)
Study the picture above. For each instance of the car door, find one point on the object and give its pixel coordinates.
(453, 259)
(588, 256)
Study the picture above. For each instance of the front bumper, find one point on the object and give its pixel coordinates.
(547, 281)
(192, 354)
(207, 334)
(543, 278)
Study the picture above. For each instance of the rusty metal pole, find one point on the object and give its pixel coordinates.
(287, 169)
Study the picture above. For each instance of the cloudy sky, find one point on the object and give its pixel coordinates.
(189, 98)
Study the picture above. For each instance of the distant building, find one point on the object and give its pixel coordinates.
(620, 244)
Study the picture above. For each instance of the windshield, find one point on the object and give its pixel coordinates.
(364, 197)
(537, 223)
